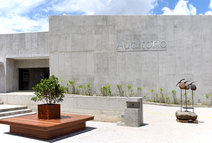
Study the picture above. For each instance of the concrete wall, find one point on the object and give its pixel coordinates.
(103, 108)
(11, 76)
(120, 49)
(2, 78)
(87, 49)
(24, 46)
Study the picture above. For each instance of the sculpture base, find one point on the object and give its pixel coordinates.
(188, 121)
(186, 115)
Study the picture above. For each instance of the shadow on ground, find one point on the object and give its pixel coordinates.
(59, 138)
(144, 124)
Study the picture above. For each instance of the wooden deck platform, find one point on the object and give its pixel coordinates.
(31, 126)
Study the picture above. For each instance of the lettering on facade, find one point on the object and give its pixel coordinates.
(138, 45)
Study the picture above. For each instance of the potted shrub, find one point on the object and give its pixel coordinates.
(50, 92)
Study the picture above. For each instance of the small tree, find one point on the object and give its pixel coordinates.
(49, 91)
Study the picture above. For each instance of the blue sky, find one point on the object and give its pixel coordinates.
(202, 6)
(32, 15)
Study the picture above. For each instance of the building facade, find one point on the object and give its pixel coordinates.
(151, 52)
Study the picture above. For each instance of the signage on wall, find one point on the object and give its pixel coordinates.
(137, 45)
(128, 40)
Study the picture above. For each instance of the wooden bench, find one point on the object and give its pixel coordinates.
(31, 126)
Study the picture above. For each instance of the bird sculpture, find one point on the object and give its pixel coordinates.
(180, 81)
(183, 84)
(192, 86)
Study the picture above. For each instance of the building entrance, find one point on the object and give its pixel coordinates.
(29, 77)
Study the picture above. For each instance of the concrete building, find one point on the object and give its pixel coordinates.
(148, 51)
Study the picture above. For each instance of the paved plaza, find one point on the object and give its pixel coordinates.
(160, 126)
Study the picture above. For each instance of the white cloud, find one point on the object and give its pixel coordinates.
(208, 12)
(210, 5)
(15, 23)
(18, 6)
(181, 8)
(17, 15)
(107, 7)
(13, 16)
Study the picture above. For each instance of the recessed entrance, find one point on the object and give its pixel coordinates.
(29, 77)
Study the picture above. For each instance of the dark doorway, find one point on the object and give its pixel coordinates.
(29, 77)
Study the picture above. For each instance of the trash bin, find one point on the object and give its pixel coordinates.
(133, 113)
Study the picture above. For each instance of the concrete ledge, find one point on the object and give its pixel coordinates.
(103, 108)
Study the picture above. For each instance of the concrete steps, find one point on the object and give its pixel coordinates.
(31, 113)
(8, 111)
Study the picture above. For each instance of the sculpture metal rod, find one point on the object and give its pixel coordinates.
(181, 100)
(186, 100)
(192, 100)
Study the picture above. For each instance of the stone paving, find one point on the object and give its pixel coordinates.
(160, 126)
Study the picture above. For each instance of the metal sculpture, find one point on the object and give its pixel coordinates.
(186, 85)
(186, 116)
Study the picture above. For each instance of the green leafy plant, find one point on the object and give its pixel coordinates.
(188, 102)
(157, 99)
(152, 95)
(120, 90)
(49, 91)
(84, 89)
(62, 82)
(174, 96)
(207, 96)
(129, 87)
(72, 84)
(105, 90)
(130, 91)
(211, 98)
(162, 96)
(88, 88)
(167, 99)
(139, 89)
(81, 89)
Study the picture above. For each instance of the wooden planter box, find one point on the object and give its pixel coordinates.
(49, 111)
